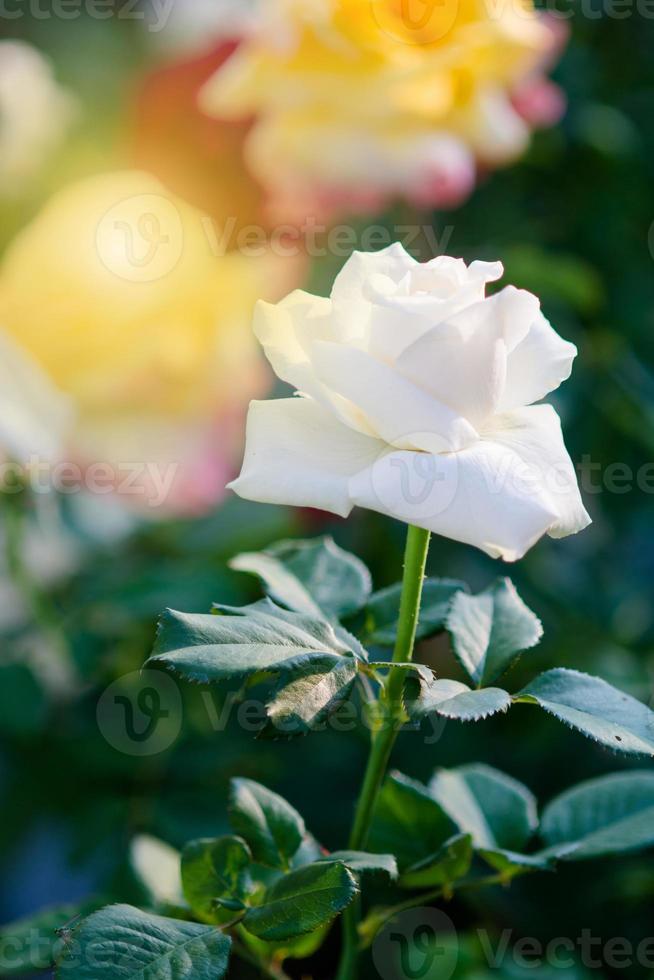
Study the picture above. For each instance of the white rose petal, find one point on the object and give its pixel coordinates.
(464, 359)
(286, 331)
(416, 403)
(298, 453)
(484, 496)
(537, 366)
(534, 434)
(34, 416)
(407, 297)
(397, 411)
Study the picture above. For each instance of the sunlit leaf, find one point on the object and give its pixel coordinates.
(594, 708)
(610, 815)
(450, 862)
(362, 862)
(304, 703)
(240, 642)
(490, 630)
(495, 809)
(215, 875)
(408, 821)
(302, 901)
(312, 576)
(452, 699)
(272, 828)
(124, 943)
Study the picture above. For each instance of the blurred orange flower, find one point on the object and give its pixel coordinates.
(196, 157)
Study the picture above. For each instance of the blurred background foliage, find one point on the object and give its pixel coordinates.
(572, 222)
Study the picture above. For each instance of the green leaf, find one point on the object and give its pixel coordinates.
(496, 810)
(313, 576)
(610, 815)
(270, 825)
(594, 708)
(347, 641)
(241, 642)
(452, 699)
(299, 948)
(33, 944)
(510, 864)
(302, 901)
(123, 943)
(156, 866)
(303, 704)
(362, 862)
(408, 822)
(384, 607)
(450, 862)
(490, 630)
(216, 869)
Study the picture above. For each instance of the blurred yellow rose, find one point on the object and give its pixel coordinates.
(357, 100)
(119, 295)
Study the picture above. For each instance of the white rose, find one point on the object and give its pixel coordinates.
(416, 400)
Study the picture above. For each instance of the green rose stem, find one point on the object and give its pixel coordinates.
(392, 716)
